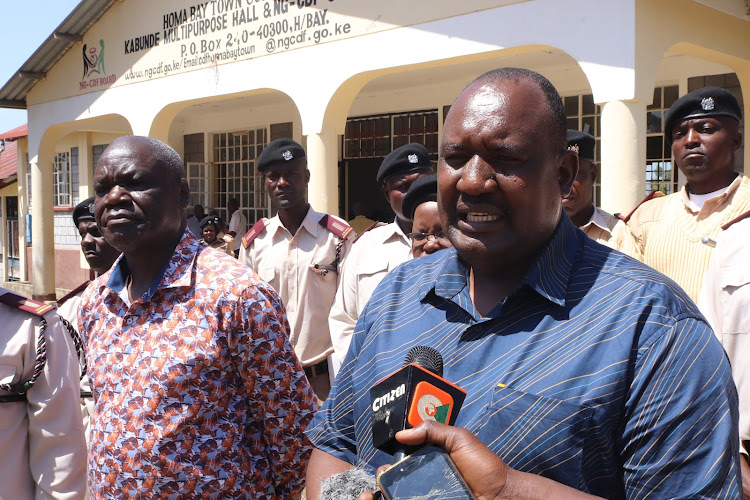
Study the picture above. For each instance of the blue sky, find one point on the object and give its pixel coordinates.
(23, 28)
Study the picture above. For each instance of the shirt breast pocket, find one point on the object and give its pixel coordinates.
(7, 374)
(537, 434)
(267, 274)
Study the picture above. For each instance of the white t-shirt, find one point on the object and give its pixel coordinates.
(238, 223)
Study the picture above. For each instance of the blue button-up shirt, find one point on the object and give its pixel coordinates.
(597, 372)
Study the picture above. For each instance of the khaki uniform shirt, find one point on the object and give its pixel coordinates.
(725, 301)
(666, 235)
(375, 253)
(41, 441)
(287, 262)
(599, 228)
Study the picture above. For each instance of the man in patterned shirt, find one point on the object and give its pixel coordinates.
(586, 372)
(197, 390)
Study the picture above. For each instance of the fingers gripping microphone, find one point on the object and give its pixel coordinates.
(413, 394)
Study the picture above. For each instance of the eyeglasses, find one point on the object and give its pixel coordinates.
(423, 238)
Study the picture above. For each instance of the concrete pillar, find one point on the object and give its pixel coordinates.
(43, 228)
(85, 168)
(23, 207)
(623, 143)
(322, 160)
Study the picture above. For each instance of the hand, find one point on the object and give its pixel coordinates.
(484, 472)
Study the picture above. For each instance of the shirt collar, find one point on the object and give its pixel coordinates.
(310, 223)
(712, 204)
(177, 272)
(548, 276)
(597, 220)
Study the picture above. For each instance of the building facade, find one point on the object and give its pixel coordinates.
(350, 80)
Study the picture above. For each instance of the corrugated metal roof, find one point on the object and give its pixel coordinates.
(15, 133)
(8, 161)
(86, 13)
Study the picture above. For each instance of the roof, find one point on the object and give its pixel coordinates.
(8, 161)
(67, 34)
(16, 133)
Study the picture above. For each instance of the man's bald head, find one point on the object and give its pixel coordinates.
(149, 150)
(557, 123)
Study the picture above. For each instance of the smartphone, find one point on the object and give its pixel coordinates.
(428, 473)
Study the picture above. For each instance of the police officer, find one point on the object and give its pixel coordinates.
(676, 234)
(579, 202)
(378, 250)
(100, 256)
(298, 252)
(212, 235)
(41, 434)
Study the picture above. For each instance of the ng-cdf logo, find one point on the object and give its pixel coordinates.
(430, 403)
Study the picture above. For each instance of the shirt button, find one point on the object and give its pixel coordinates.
(129, 320)
(101, 460)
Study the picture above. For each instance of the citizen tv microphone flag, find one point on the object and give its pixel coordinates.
(415, 393)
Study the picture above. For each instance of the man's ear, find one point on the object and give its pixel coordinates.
(184, 194)
(594, 172)
(386, 192)
(307, 175)
(567, 171)
(737, 141)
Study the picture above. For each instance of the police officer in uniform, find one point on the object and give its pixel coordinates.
(100, 256)
(212, 235)
(298, 252)
(41, 433)
(378, 250)
(579, 202)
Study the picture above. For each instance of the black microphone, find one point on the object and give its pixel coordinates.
(413, 394)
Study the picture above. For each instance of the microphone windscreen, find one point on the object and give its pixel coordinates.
(348, 485)
(427, 357)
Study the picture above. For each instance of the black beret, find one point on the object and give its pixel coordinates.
(279, 151)
(421, 190)
(583, 143)
(210, 219)
(403, 160)
(84, 211)
(708, 101)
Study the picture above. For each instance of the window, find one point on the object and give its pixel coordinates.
(197, 174)
(234, 173)
(61, 178)
(661, 173)
(582, 112)
(376, 136)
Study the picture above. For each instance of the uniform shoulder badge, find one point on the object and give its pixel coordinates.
(20, 302)
(336, 226)
(73, 293)
(375, 224)
(258, 228)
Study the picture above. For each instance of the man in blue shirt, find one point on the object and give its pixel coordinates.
(587, 373)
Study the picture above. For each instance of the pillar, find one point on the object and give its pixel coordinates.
(623, 168)
(43, 228)
(322, 160)
(23, 206)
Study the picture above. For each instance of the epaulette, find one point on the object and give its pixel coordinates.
(740, 217)
(653, 194)
(258, 228)
(337, 227)
(375, 224)
(73, 293)
(24, 304)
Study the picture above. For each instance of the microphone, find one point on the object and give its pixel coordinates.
(348, 485)
(413, 394)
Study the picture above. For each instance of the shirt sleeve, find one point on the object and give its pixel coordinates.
(57, 447)
(680, 435)
(343, 315)
(276, 386)
(333, 428)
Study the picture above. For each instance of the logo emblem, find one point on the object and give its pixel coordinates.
(287, 155)
(91, 208)
(707, 103)
(413, 158)
(430, 403)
